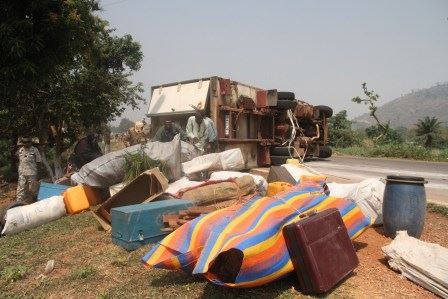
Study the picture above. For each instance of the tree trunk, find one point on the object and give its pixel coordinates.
(428, 142)
(57, 154)
(13, 157)
(45, 162)
(43, 140)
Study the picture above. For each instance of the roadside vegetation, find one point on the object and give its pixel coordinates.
(426, 140)
(65, 73)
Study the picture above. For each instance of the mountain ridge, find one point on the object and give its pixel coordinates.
(406, 110)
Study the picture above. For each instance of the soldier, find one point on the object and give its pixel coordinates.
(28, 156)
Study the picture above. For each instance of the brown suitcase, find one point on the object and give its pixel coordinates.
(320, 250)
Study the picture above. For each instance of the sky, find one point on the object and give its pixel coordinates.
(321, 50)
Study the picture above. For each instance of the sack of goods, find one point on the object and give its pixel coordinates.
(29, 216)
(109, 169)
(228, 160)
(215, 192)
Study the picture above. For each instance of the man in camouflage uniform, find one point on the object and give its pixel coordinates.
(28, 156)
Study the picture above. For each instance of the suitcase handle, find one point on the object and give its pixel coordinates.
(308, 214)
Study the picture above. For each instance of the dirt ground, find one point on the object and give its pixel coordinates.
(88, 264)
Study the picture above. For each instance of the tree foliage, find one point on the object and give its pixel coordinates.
(370, 99)
(64, 70)
(124, 125)
(428, 128)
(340, 131)
(381, 137)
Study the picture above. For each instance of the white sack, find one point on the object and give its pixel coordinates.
(423, 263)
(108, 170)
(341, 190)
(368, 195)
(188, 151)
(180, 184)
(228, 160)
(33, 215)
(262, 184)
(297, 171)
(232, 159)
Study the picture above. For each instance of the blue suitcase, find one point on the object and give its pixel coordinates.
(136, 225)
(47, 190)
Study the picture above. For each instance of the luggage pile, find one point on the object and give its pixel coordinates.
(209, 218)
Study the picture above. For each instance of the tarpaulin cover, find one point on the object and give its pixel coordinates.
(253, 229)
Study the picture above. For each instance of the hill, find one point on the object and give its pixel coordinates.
(406, 110)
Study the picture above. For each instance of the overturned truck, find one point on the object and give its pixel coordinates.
(268, 126)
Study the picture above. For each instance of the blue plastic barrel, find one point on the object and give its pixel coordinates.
(404, 205)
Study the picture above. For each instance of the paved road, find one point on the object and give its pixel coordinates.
(353, 169)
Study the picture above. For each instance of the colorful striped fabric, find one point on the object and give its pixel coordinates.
(255, 230)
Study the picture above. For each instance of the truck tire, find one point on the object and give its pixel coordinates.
(10, 206)
(325, 110)
(281, 151)
(279, 160)
(286, 104)
(325, 152)
(286, 95)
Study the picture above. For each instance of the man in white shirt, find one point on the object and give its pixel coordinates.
(201, 132)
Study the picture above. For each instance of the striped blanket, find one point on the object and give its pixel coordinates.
(250, 234)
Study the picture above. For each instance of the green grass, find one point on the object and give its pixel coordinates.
(405, 151)
(84, 272)
(14, 273)
(435, 208)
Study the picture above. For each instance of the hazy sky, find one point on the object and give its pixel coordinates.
(321, 50)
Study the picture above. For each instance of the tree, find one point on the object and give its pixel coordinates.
(370, 99)
(64, 71)
(391, 135)
(91, 91)
(428, 128)
(124, 125)
(340, 131)
(35, 38)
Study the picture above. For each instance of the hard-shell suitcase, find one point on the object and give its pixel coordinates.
(320, 250)
(137, 225)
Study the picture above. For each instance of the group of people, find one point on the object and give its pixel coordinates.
(200, 132)
(29, 157)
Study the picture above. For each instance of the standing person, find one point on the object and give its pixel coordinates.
(201, 132)
(168, 131)
(28, 156)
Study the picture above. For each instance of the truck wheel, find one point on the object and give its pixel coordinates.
(325, 151)
(286, 104)
(325, 110)
(282, 151)
(286, 95)
(279, 160)
(10, 206)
